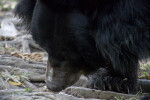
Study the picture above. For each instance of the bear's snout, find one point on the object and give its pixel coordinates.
(60, 77)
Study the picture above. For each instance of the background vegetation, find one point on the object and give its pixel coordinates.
(6, 5)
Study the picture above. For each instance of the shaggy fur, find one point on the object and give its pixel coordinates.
(109, 34)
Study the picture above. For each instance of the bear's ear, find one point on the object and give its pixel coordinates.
(25, 9)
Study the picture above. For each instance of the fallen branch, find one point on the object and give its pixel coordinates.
(5, 67)
(39, 78)
(17, 62)
(144, 85)
(34, 45)
(29, 85)
(4, 85)
(31, 43)
(98, 94)
(10, 43)
(25, 46)
(11, 91)
(82, 82)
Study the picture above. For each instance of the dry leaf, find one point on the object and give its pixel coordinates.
(31, 57)
(15, 83)
(148, 77)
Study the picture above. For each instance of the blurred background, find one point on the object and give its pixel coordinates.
(6, 5)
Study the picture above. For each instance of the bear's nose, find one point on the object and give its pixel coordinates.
(55, 86)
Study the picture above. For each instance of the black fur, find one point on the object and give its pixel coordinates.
(109, 34)
(25, 10)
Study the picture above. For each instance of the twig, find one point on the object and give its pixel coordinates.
(40, 78)
(144, 85)
(25, 46)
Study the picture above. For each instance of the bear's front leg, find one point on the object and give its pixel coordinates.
(113, 80)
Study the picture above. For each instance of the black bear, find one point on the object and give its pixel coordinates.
(83, 36)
